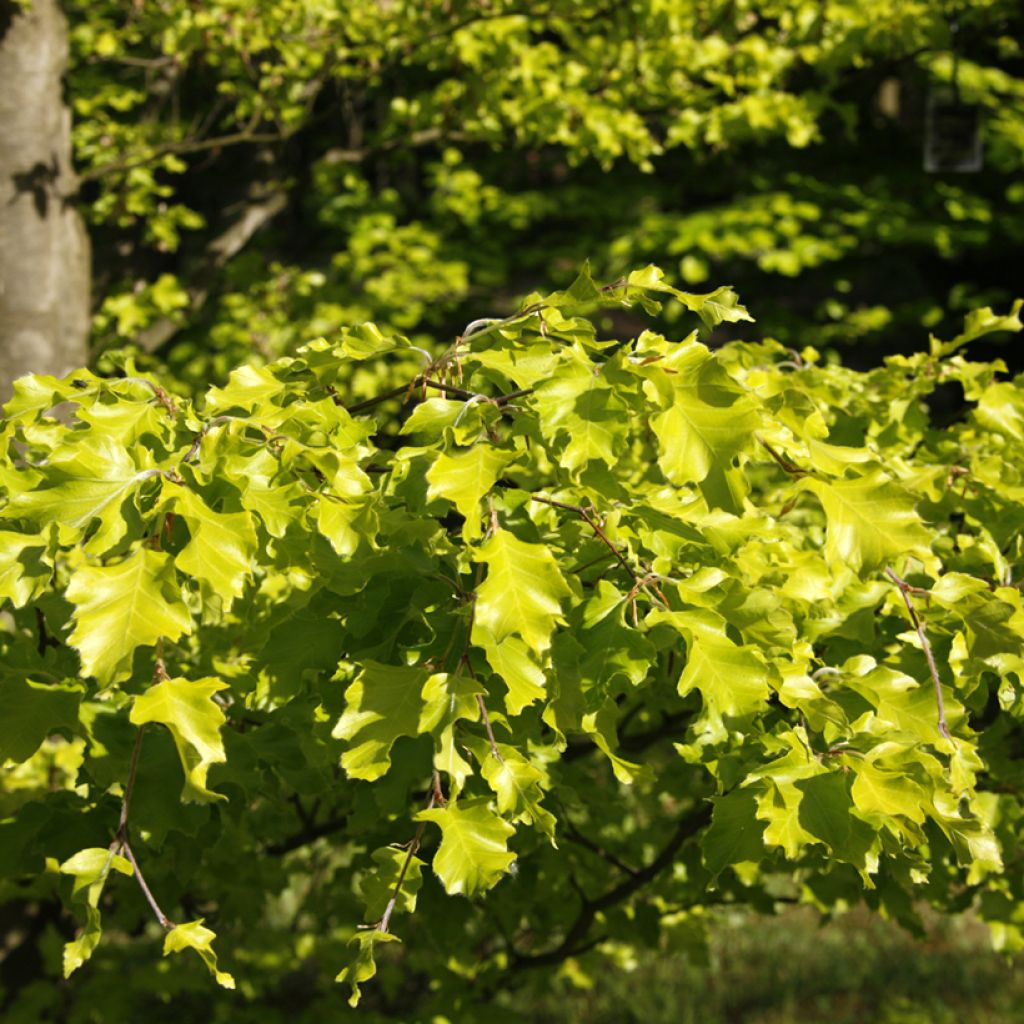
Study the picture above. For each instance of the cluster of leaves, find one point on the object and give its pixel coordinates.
(434, 153)
(601, 632)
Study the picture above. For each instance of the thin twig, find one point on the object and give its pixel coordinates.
(121, 843)
(791, 468)
(436, 796)
(490, 731)
(576, 836)
(128, 163)
(905, 591)
(129, 788)
(574, 941)
(641, 581)
(165, 921)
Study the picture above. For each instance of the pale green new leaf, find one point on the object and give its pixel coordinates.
(378, 887)
(707, 421)
(386, 702)
(474, 854)
(464, 478)
(779, 808)
(222, 545)
(713, 308)
(1001, 409)
(732, 680)
(346, 523)
(521, 595)
(90, 869)
(362, 967)
(578, 404)
(121, 607)
(187, 709)
(511, 660)
(978, 323)
(871, 521)
(881, 791)
(79, 484)
(194, 936)
(518, 785)
(23, 571)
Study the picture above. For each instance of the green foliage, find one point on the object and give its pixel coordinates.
(276, 650)
(424, 154)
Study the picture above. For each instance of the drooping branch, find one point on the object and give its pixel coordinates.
(449, 389)
(905, 591)
(162, 918)
(577, 837)
(181, 147)
(576, 939)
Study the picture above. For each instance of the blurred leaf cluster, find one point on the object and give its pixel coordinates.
(421, 155)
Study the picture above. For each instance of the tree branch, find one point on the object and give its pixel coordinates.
(217, 254)
(905, 591)
(307, 836)
(641, 580)
(436, 796)
(575, 940)
(180, 148)
(120, 843)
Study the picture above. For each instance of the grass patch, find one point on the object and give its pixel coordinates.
(790, 969)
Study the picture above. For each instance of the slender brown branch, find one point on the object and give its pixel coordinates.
(307, 836)
(486, 718)
(585, 515)
(905, 591)
(449, 389)
(788, 467)
(165, 921)
(128, 163)
(129, 788)
(369, 403)
(436, 796)
(575, 939)
(641, 580)
(587, 843)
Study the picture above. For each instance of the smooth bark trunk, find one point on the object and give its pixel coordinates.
(44, 248)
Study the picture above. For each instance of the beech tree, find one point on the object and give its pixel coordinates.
(529, 661)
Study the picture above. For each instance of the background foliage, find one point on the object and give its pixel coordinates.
(407, 161)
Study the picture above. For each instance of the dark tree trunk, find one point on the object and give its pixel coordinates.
(44, 248)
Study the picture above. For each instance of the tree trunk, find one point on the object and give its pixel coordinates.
(44, 248)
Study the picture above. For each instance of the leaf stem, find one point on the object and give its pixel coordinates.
(791, 468)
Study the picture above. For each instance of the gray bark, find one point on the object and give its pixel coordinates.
(44, 248)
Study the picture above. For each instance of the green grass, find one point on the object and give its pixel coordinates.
(858, 969)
